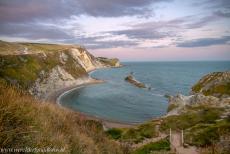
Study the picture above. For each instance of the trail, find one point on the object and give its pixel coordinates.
(179, 148)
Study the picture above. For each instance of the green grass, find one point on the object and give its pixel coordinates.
(162, 145)
(115, 133)
(134, 135)
(218, 90)
(23, 70)
(207, 134)
(194, 115)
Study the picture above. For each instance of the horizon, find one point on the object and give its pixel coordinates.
(150, 30)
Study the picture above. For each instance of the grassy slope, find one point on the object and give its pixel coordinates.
(25, 69)
(10, 48)
(133, 135)
(25, 122)
(219, 89)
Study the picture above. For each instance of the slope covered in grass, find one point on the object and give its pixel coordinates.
(25, 122)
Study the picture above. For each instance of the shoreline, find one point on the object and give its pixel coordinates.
(107, 124)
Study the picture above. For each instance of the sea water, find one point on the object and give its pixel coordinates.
(118, 100)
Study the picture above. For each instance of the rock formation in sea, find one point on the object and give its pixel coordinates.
(134, 82)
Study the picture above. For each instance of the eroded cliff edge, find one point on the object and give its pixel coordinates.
(42, 69)
(213, 90)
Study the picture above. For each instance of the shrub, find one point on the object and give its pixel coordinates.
(162, 145)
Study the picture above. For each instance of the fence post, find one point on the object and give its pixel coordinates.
(170, 135)
(182, 137)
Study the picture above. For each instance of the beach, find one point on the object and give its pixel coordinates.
(107, 124)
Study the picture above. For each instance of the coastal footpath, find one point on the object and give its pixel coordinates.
(43, 69)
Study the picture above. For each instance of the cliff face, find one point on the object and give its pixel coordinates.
(44, 68)
(211, 90)
(215, 84)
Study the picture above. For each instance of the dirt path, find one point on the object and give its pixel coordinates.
(179, 148)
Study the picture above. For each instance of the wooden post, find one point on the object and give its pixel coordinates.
(170, 135)
(182, 137)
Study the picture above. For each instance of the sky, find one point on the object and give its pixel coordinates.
(131, 30)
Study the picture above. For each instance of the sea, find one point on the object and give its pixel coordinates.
(119, 101)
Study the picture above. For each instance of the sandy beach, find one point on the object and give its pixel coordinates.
(55, 96)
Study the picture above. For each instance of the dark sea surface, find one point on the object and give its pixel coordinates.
(120, 101)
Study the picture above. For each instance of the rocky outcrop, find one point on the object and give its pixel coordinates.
(178, 103)
(211, 90)
(44, 68)
(134, 82)
(214, 84)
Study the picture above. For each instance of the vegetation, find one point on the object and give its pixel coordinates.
(25, 122)
(171, 107)
(193, 116)
(23, 70)
(218, 85)
(207, 134)
(110, 62)
(136, 134)
(162, 145)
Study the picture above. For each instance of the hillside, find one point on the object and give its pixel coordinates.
(215, 84)
(26, 122)
(43, 69)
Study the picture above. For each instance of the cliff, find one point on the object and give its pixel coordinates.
(43, 69)
(212, 89)
(215, 84)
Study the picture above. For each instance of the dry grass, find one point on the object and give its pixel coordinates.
(25, 122)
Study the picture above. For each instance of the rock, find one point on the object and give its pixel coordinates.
(133, 81)
(205, 92)
(179, 102)
(215, 84)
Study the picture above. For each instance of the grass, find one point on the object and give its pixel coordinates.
(115, 133)
(218, 90)
(193, 116)
(207, 134)
(134, 135)
(171, 107)
(25, 122)
(110, 62)
(162, 145)
(23, 70)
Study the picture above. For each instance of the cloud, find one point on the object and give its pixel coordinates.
(115, 8)
(223, 14)
(204, 42)
(141, 33)
(34, 31)
(29, 10)
(213, 4)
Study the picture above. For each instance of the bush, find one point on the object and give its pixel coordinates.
(207, 134)
(115, 133)
(139, 133)
(162, 145)
(194, 115)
